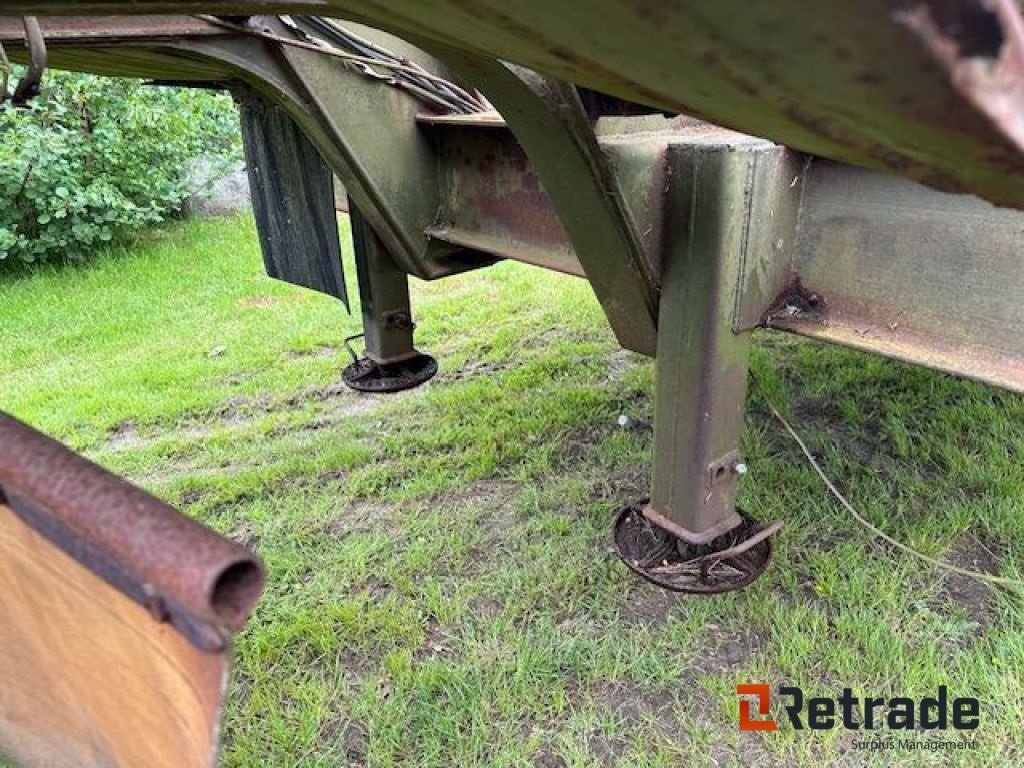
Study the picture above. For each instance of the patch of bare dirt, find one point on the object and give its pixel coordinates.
(245, 534)
(636, 707)
(486, 608)
(436, 644)
(500, 519)
(320, 351)
(123, 438)
(357, 743)
(647, 604)
(187, 471)
(546, 758)
(364, 517)
(240, 412)
(972, 596)
(480, 369)
(619, 363)
(665, 710)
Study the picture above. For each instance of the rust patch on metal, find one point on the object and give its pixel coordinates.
(110, 30)
(201, 583)
(797, 303)
(981, 46)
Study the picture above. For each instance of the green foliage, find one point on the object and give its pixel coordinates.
(93, 158)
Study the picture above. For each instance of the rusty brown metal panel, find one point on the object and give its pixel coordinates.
(492, 200)
(232, 7)
(111, 30)
(550, 123)
(930, 89)
(116, 618)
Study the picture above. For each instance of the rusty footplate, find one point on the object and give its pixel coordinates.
(116, 616)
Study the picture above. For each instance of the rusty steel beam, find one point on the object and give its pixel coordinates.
(491, 199)
(556, 134)
(111, 30)
(147, 7)
(201, 583)
(929, 89)
(116, 617)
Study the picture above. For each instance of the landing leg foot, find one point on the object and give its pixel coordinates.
(731, 561)
(365, 375)
(391, 363)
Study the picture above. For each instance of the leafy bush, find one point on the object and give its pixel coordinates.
(93, 158)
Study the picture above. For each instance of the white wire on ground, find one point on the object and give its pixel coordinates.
(979, 575)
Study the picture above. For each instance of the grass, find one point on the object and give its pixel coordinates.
(442, 591)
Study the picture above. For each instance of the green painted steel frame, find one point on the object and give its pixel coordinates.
(691, 235)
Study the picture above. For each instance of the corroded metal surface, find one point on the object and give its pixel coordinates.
(112, 30)
(491, 199)
(891, 267)
(181, 572)
(550, 123)
(732, 561)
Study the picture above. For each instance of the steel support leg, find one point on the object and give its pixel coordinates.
(392, 363)
(691, 519)
(701, 363)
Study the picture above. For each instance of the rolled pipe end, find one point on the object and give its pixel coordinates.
(236, 590)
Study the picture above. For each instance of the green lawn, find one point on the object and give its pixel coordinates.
(441, 590)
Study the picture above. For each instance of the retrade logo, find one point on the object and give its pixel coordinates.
(821, 713)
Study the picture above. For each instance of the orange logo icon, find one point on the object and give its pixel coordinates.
(747, 721)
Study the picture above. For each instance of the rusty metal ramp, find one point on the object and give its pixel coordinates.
(116, 616)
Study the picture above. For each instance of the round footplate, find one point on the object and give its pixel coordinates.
(731, 561)
(367, 376)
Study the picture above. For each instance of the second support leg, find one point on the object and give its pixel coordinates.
(392, 363)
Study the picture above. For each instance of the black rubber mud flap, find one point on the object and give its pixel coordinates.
(293, 200)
